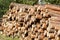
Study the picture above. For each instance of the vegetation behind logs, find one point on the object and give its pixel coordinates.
(57, 2)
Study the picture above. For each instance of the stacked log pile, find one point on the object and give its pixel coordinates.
(39, 22)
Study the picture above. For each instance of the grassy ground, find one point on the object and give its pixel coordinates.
(7, 38)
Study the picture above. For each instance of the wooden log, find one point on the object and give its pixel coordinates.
(53, 7)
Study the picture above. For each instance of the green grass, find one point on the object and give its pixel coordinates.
(7, 38)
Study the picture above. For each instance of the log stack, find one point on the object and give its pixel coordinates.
(38, 22)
